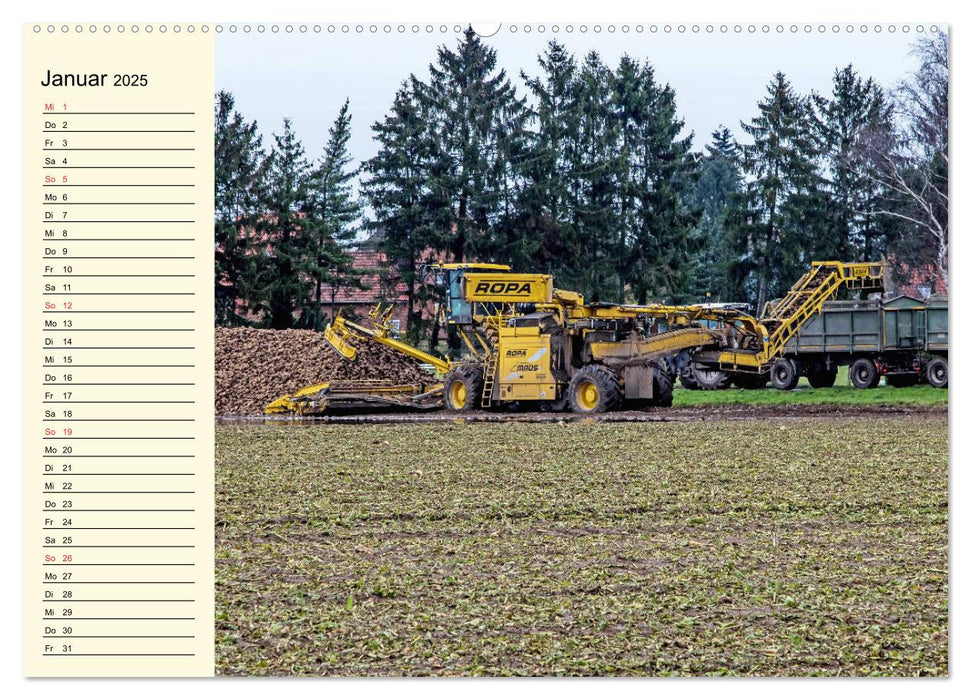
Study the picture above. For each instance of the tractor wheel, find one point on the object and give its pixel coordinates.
(559, 406)
(863, 374)
(750, 381)
(663, 388)
(901, 380)
(821, 378)
(463, 388)
(594, 389)
(710, 379)
(937, 373)
(784, 375)
(688, 379)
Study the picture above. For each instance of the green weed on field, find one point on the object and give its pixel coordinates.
(777, 547)
(842, 393)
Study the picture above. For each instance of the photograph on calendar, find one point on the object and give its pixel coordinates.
(581, 350)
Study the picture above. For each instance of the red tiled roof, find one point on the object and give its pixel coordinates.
(381, 281)
(918, 282)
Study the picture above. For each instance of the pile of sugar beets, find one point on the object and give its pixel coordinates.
(254, 367)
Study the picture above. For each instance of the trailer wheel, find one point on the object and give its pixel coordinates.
(663, 388)
(463, 388)
(902, 380)
(594, 389)
(863, 374)
(784, 375)
(744, 380)
(937, 373)
(821, 378)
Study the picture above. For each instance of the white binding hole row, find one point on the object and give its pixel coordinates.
(724, 29)
(512, 28)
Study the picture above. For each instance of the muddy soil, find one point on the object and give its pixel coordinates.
(655, 415)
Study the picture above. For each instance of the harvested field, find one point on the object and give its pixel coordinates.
(254, 367)
(809, 546)
(677, 414)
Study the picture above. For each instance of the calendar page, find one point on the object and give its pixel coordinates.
(444, 349)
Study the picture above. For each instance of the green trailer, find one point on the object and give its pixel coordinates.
(935, 344)
(903, 339)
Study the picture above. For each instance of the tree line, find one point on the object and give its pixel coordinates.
(589, 176)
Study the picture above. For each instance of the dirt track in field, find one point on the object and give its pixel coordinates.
(656, 415)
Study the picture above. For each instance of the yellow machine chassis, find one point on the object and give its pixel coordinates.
(803, 301)
(341, 332)
(738, 342)
(327, 397)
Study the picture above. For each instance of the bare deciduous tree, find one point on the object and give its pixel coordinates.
(911, 160)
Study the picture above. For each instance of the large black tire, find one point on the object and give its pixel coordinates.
(559, 406)
(863, 373)
(594, 389)
(937, 373)
(821, 378)
(663, 388)
(784, 374)
(463, 388)
(901, 380)
(710, 379)
(687, 377)
(744, 380)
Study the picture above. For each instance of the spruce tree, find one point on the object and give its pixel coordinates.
(546, 219)
(631, 98)
(657, 172)
(332, 211)
(476, 122)
(719, 182)
(285, 237)
(783, 210)
(240, 164)
(408, 216)
(595, 164)
(842, 124)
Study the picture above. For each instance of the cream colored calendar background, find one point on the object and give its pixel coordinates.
(117, 347)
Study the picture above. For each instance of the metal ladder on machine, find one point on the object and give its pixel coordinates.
(489, 381)
(492, 368)
(807, 296)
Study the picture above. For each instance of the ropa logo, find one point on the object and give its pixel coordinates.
(516, 353)
(507, 288)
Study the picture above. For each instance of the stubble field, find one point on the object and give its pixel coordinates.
(781, 546)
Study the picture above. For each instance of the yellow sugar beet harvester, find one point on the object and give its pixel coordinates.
(532, 345)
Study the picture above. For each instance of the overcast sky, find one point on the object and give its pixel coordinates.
(718, 77)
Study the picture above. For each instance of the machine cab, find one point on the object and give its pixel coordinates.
(475, 289)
